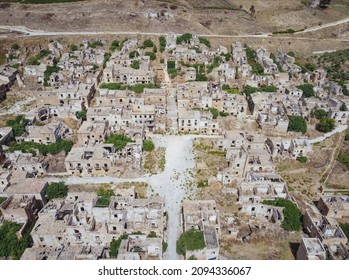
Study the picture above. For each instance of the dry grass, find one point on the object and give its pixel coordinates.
(154, 161)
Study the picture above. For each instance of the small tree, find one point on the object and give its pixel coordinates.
(148, 146)
(326, 124)
(56, 190)
(308, 90)
(297, 124)
(190, 240)
(319, 113)
(343, 107)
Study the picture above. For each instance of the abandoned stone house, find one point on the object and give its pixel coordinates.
(47, 134)
(325, 228)
(311, 249)
(204, 216)
(4, 179)
(21, 209)
(258, 186)
(28, 187)
(263, 213)
(101, 159)
(25, 162)
(91, 133)
(140, 247)
(336, 207)
(128, 75)
(79, 220)
(77, 96)
(239, 54)
(6, 135)
(7, 79)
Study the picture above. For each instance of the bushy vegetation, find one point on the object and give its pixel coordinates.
(52, 149)
(35, 60)
(326, 124)
(115, 245)
(297, 124)
(148, 43)
(118, 140)
(81, 115)
(204, 41)
(104, 194)
(292, 215)
(56, 190)
(135, 64)
(202, 183)
(133, 54)
(2, 199)
(215, 113)
(265, 88)
(185, 38)
(11, 247)
(18, 125)
(343, 158)
(151, 55)
(162, 42)
(308, 90)
(302, 159)
(95, 44)
(73, 47)
(319, 113)
(49, 71)
(335, 65)
(137, 88)
(115, 45)
(190, 240)
(230, 90)
(148, 145)
(252, 60)
(171, 65)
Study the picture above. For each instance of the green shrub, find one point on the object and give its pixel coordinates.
(151, 55)
(162, 41)
(171, 65)
(185, 38)
(135, 64)
(326, 124)
(95, 44)
(343, 158)
(346, 136)
(202, 183)
(302, 159)
(148, 146)
(308, 90)
(81, 115)
(297, 124)
(115, 245)
(18, 125)
(190, 240)
(11, 246)
(73, 47)
(148, 43)
(133, 54)
(205, 42)
(118, 140)
(319, 113)
(104, 194)
(292, 215)
(56, 190)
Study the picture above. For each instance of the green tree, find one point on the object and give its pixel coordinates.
(297, 124)
(118, 140)
(81, 115)
(115, 245)
(308, 90)
(148, 43)
(185, 38)
(133, 54)
(319, 113)
(73, 47)
(135, 64)
(148, 146)
(56, 190)
(326, 124)
(343, 107)
(104, 194)
(204, 41)
(190, 240)
(151, 55)
(15, 47)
